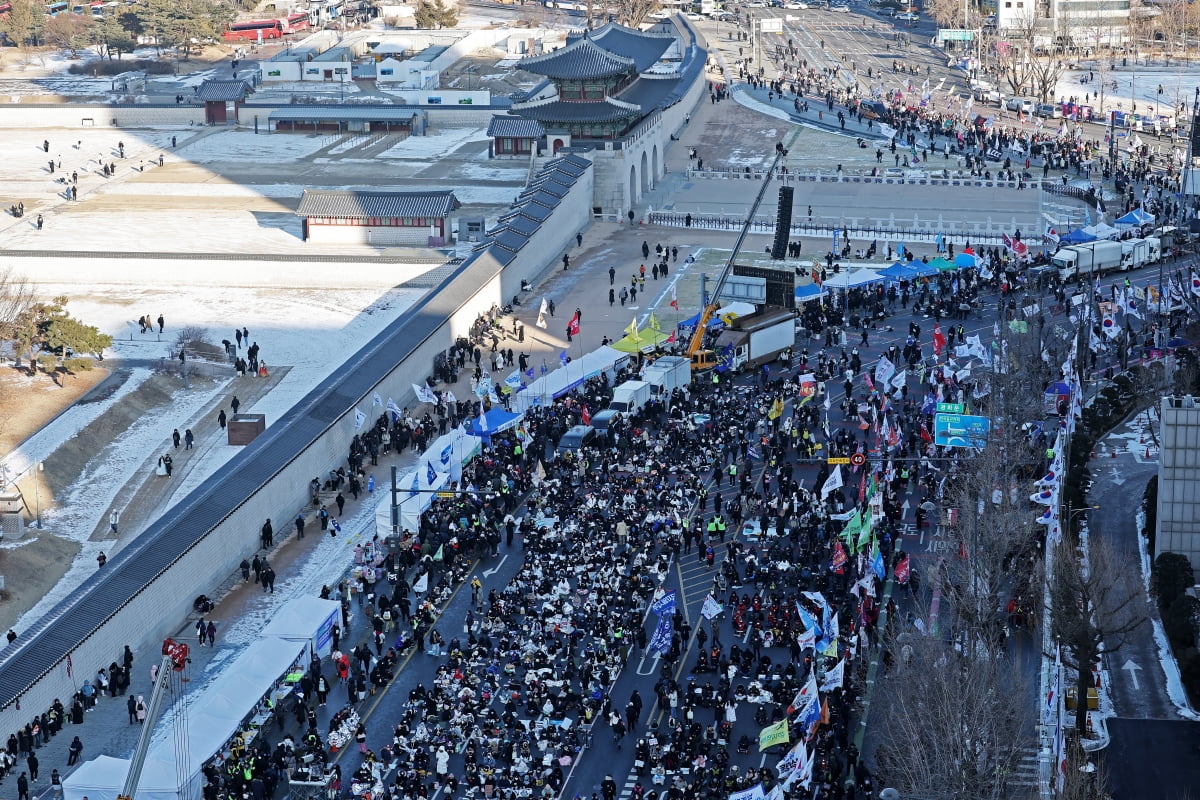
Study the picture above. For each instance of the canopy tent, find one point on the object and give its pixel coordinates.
(965, 260)
(737, 308)
(447, 455)
(560, 381)
(1077, 236)
(898, 272)
(849, 280)
(942, 265)
(1136, 217)
(646, 340)
(1101, 230)
(214, 716)
(306, 619)
(497, 419)
(923, 269)
(810, 291)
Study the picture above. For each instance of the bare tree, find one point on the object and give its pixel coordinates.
(634, 12)
(22, 24)
(952, 720)
(16, 298)
(1096, 606)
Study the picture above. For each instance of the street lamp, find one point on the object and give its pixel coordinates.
(37, 494)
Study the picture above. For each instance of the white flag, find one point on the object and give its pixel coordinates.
(545, 309)
(376, 400)
(359, 419)
(449, 397)
(834, 677)
(899, 379)
(834, 481)
(393, 408)
(483, 420)
(711, 607)
(422, 584)
(884, 370)
(425, 394)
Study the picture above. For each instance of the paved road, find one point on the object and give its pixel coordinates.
(1153, 760)
(1137, 681)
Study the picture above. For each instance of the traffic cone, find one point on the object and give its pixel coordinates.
(1093, 454)
(1114, 452)
(1147, 455)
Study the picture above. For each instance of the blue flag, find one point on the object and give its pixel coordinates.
(529, 372)
(941, 243)
(806, 619)
(725, 358)
(877, 564)
(430, 475)
(562, 357)
(416, 485)
(446, 451)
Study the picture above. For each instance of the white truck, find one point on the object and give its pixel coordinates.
(1093, 258)
(1139, 252)
(757, 339)
(630, 396)
(666, 375)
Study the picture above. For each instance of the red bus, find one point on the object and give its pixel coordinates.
(295, 23)
(254, 30)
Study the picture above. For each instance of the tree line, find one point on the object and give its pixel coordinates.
(181, 25)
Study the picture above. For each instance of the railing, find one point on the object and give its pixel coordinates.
(882, 176)
(990, 232)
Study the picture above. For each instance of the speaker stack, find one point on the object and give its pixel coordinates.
(783, 225)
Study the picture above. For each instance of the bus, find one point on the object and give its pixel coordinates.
(296, 23)
(254, 30)
(54, 9)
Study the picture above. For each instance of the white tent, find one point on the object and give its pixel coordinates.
(447, 455)
(1102, 230)
(214, 715)
(306, 619)
(563, 379)
(849, 280)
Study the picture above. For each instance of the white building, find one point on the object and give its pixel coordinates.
(1073, 25)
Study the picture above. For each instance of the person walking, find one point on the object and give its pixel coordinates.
(32, 763)
(268, 535)
(188, 438)
(221, 419)
(175, 438)
(212, 626)
(140, 710)
(201, 631)
(235, 404)
(131, 704)
(300, 526)
(113, 520)
(22, 787)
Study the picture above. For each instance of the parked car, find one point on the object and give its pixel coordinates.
(1024, 104)
(1049, 110)
(909, 16)
(840, 9)
(796, 6)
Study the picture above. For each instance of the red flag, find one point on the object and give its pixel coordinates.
(674, 299)
(862, 487)
(586, 416)
(838, 564)
(671, 338)
(939, 340)
(573, 325)
(902, 571)
(925, 437)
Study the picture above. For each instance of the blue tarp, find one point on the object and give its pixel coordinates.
(1077, 236)
(809, 292)
(497, 420)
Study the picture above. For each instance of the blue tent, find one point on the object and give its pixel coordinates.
(1136, 217)
(497, 420)
(923, 268)
(1077, 236)
(898, 272)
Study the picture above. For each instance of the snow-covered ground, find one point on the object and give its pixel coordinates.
(1138, 84)
(310, 331)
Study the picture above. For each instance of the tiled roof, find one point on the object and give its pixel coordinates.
(606, 110)
(319, 203)
(644, 48)
(582, 58)
(649, 93)
(514, 127)
(222, 91)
